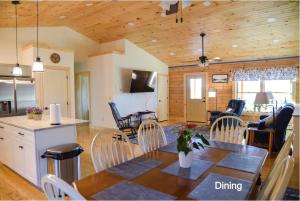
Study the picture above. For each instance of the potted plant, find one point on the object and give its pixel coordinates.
(29, 112)
(186, 141)
(37, 113)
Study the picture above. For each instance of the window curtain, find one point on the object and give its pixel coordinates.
(274, 73)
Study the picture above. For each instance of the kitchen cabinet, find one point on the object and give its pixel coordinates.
(23, 141)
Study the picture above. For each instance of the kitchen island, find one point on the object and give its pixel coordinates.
(23, 141)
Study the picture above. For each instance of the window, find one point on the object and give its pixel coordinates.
(196, 88)
(281, 91)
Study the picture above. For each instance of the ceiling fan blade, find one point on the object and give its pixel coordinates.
(196, 60)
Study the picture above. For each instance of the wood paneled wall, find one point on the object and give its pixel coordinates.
(224, 91)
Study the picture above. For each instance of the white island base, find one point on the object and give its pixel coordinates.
(23, 142)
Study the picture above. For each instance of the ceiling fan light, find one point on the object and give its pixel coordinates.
(17, 70)
(186, 3)
(165, 5)
(38, 65)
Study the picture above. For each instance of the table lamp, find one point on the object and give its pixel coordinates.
(261, 98)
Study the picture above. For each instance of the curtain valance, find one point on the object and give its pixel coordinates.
(274, 73)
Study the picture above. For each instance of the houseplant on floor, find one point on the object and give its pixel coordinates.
(186, 141)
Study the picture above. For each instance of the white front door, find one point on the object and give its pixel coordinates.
(56, 89)
(196, 98)
(162, 97)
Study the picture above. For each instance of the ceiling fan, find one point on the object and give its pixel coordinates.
(203, 60)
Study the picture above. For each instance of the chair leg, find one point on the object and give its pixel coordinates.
(270, 142)
(258, 182)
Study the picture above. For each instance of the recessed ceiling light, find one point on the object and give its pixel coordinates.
(153, 40)
(163, 14)
(271, 19)
(275, 40)
(234, 45)
(62, 17)
(172, 53)
(206, 3)
(131, 24)
(200, 50)
(217, 30)
(89, 4)
(217, 58)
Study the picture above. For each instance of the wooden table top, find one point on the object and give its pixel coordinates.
(173, 185)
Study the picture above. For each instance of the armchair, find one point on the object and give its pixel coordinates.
(278, 122)
(234, 108)
(125, 124)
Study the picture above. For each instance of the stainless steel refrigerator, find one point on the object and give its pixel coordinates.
(16, 94)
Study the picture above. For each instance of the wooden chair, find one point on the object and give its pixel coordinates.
(275, 187)
(151, 136)
(57, 189)
(229, 129)
(110, 148)
(284, 152)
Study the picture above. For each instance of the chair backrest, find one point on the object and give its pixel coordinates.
(151, 136)
(229, 129)
(283, 117)
(115, 111)
(275, 188)
(110, 148)
(57, 189)
(237, 106)
(284, 152)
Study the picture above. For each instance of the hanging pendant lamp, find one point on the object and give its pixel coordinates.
(17, 70)
(38, 65)
(203, 59)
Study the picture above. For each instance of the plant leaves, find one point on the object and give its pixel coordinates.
(204, 140)
(195, 145)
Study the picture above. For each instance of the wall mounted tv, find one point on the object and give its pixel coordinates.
(142, 81)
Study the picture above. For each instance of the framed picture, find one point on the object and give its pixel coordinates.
(220, 78)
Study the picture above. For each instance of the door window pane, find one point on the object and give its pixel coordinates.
(196, 88)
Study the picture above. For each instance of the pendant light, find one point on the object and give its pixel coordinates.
(38, 65)
(203, 59)
(17, 70)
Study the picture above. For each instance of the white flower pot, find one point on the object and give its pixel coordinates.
(185, 161)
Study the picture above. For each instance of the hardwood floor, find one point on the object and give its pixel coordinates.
(14, 187)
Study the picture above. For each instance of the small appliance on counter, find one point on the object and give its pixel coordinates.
(55, 114)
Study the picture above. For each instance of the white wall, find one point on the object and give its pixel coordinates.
(109, 75)
(137, 59)
(62, 38)
(66, 60)
(71, 46)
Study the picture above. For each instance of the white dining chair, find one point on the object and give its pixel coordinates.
(151, 136)
(57, 189)
(110, 148)
(275, 188)
(229, 129)
(284, 152)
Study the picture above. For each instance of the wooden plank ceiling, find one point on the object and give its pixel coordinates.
(244, 24)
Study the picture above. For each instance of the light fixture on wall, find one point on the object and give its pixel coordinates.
(212, 93)
(17, 70)
(38, 65)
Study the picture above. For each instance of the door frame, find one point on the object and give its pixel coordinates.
(168, 95)
(89, 77)
(184, 90)
(41, 89)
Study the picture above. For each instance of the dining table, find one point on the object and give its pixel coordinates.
(180, 188)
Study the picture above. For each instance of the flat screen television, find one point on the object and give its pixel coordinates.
(142, 81)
